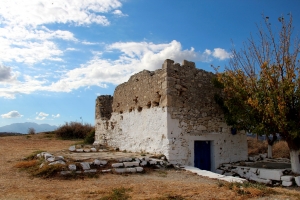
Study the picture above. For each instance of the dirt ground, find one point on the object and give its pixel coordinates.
(16, 184)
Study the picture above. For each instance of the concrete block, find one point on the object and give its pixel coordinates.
(103, 162)
(143, 163)
(131, 164)
(90, 171)
(96, 162)
(120, 170)
(116, 165)
(132, 170)
(287, 178)
(297, 180)
(270, 174)
(47, 155)
(287, 183)
(152, 162)
(253, 170)
(139, 169)
(259, 180)
(106, 170)
(57, 162)
(65, 172)
(51, 159)
(72, 167)
(72, 148)
(85, 166)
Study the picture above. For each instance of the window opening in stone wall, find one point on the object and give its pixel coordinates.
(130, 109)
(121, 112)
(140, 108)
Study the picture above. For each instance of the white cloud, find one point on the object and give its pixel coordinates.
(221, 54)
(119, 13)
(38, 12)
(56, 116)
(24, 36)
(134, 57)
(12, 114)
(41, 115)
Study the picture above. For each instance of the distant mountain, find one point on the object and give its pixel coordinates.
(23, 127)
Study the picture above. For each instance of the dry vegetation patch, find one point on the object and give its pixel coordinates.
(171, 184)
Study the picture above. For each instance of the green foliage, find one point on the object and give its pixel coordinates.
(74, 130)
(90, 138)
(118, 194)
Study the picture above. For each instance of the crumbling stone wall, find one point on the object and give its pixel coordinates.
(180, 100)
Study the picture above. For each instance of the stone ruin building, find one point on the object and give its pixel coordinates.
(169, 111)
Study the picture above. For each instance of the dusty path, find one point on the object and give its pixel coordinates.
(15, 184)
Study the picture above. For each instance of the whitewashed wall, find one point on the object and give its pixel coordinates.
(153, 130)
(144, 131)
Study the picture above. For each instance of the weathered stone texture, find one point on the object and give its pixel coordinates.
(165, 111)
(103, 107)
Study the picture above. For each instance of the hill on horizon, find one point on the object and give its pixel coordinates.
(23, 127)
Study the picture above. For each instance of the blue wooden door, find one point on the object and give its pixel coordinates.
(202, 155)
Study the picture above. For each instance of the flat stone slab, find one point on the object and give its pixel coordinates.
(259, 180)
(72, 167)
(287, 178)
(297, 180)
(85, 166)
(131, 164)
(287, 183)
(116, 165)
(270, 174)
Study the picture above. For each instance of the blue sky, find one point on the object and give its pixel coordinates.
(57, 56)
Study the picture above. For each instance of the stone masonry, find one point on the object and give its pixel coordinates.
(164, 112)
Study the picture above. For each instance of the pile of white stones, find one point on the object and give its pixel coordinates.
(123, 165)
(86, 148)
(273, 177)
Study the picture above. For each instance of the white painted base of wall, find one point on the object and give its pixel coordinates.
(154, 131)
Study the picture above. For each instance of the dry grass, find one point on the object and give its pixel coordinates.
(256, 147)
(280, 148)
(17, 184)
(26, 164)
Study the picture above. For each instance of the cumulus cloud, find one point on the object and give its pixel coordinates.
(221, 54)
(133, 57)
(41, 115)
(119, 13)
(56, 116)
(12, 114)
(39, 12)
(25, 38)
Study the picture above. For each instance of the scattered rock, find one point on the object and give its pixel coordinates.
(85, 166)
(297, 180)
(72, 148)
(116, 165)
(72, 167)
(287, 183)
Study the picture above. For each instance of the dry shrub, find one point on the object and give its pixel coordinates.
(281, 150)
(256, 147)
(48, 171)
(26, 164)
(74, 130)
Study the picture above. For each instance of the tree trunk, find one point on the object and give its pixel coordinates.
(270, 147)
(270, 144)
(294, 146)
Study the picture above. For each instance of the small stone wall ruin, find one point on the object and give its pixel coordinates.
(164, 112)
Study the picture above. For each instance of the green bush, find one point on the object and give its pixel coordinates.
(90, 138)
(74, 130)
